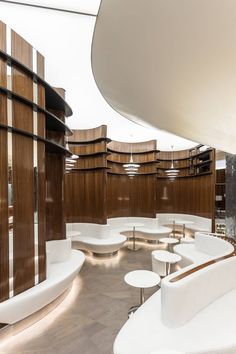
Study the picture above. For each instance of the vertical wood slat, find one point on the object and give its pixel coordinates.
(40, 65)
(2, 36)
(3, 65)
(4, 232)
(22, 50)
(55, 219)
(22, 116)
(23, 214)
(41, 212)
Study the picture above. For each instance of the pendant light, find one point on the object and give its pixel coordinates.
(172, 173)
(70, 161)
(131, 168)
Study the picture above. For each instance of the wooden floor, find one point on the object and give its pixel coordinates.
(94, 311)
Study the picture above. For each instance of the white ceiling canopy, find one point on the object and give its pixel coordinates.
(65, 40)
(171, 64)
(84, 6)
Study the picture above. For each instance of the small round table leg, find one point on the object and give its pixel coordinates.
(134, 238)
(167, 268)
(173, 228)
(142, 296)
(183, 230)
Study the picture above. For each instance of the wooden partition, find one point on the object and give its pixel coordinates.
(85, 196)
(32, 132)
(193, 190)
(132, 196)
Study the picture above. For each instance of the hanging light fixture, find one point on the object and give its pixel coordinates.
(172, 173)
(131, 168)
(70, 161)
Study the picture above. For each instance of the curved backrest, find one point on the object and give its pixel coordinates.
(182, 300)
(214, 246)
(58, 250)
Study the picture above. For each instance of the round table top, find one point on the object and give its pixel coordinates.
(134, 224)
(183, 222)
(171, 240)
(165, 256)
(142, 278)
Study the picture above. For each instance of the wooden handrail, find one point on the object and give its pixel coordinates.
(207, 264)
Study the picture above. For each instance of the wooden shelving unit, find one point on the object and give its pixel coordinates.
(194, 162)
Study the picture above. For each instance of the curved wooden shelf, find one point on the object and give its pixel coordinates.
(53, 99)
(186, 158)
(125, 162)
(94, 154)
(142, 147)
(97, 140)
(50, 145)
(52, 122)
(187, 176)
(133, 153)
(137, 174)
(90, 169)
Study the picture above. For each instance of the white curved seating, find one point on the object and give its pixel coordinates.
(206, 247)
(199, 223)
(101, 246)
(95, 238)
(194, 315)
(64, 267)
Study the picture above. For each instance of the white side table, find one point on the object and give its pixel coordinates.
(141, 279)
(170, 242)
(134, 225)
(166, 257)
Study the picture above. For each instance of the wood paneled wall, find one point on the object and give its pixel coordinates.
(187, 194)
(190, 195)
(85, 187)
(55, 218)
(132, 196)
(86, 196)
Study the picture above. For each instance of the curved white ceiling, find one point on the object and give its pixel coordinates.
(171, 64)
(65, 41)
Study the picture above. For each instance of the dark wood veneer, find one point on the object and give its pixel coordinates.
(4, 237)
(23, 213)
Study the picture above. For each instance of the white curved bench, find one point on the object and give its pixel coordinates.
(205, 248)
(95, 238)
(63, 268)
(198, 223)
(102, 246)
(196, 314)
(151, 230)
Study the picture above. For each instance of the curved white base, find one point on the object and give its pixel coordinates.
(211, 331)
(32, 300)
(100, 246)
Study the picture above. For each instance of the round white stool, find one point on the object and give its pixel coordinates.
(162, 260)
(141, 279)
(170, 242)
